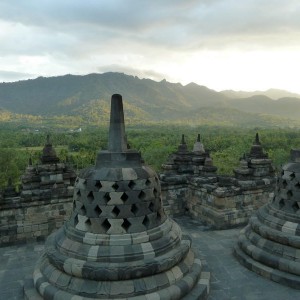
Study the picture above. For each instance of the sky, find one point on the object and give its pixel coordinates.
(222, 44)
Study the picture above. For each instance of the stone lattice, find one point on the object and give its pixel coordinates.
(270, 243)
(118, 243)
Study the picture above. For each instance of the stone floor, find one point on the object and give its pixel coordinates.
(229, 280)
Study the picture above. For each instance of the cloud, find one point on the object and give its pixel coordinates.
(183, 24)
(156, 39)
(14, 76)
(141, 73)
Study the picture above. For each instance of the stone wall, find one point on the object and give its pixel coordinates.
(218, 201)
(22, 221)
(174, 198)
(44, 203)
(226, 207)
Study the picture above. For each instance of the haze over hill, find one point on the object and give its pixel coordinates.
(88, 97)
(274, 94)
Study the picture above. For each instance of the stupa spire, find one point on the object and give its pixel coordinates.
(198, 137)
(257, 142)
(117, 138)
(183, 140)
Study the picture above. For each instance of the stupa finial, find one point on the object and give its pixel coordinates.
(182, 140)
(198, 137)
(9, 182)
(117, 138)
(257, 142)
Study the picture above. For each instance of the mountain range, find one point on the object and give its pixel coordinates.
(87, 98)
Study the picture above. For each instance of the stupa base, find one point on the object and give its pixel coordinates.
(186, 288)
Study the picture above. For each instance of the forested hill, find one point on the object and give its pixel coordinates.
(69, 94)
(87, 98)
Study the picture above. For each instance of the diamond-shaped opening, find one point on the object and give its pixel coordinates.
(282, 173)
(106, 197)
(74, 205)
(155, 192)
(297, 185)
(126, 224)
(115, 186)
(88, 222)
(76, 220)
(148, 182)
(98, 184)
(151, 207)
(134, 209)
(284, 183)
(146, 222)
(295, 206)
(293, 175)
(116, 211)
(124, 197)
(98, 210)
(106, 225)
(289, 193)
(83, 210)
(281, 203)
(90, 197)
(78, 193)
(142, 195)
(131, 184)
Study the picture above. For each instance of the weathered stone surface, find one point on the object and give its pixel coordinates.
(118, 242)
(44, 203)
(269, 244)
(221, 201)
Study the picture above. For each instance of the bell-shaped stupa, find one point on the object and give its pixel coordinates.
(270, 243)
(118, 243)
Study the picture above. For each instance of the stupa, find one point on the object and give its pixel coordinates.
(256, 164)
(48, 179)
(43, 203)
(179, 162)
(201, 160)
(270, 244)
(118, 243)
(49, 154)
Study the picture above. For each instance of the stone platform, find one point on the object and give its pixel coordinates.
(229, 280)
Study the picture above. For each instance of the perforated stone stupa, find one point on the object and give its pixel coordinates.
(118, 243)
(270, 243)
(256, 164)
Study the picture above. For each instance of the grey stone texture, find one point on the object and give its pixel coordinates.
(184, 162)
(118, 242)
(190, 186)
(270, 244)
(43, 204)
(256, 164)
(229, 280)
